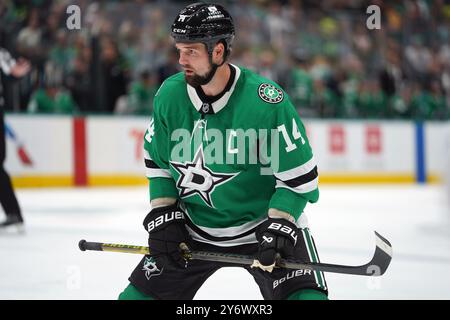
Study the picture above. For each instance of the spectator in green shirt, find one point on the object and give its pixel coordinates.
(325, 100)
(139, 100)
(300, 81)
(372, 102)
(400, 103)
(52, 99)
(429, 104)
(142, 93)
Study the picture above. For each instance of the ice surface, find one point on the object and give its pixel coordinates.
(45, 262)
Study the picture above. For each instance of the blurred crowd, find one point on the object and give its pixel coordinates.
(322, 52)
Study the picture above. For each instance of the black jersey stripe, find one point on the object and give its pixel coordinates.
(303, 179)
(151, 164)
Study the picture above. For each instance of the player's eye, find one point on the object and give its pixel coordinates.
(188, 52)
(192, 52)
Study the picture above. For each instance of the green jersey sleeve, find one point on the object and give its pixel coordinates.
(292, 162)
(156, 156)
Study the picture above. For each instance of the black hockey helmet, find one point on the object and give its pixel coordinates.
(205, 23)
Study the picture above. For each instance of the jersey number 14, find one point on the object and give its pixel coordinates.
(296, 134)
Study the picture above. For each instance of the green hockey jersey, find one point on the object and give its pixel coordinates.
(229, 160)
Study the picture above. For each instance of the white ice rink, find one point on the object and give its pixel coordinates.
(45, 262)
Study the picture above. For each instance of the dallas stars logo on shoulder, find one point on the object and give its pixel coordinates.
(196, 178)
(269, 93)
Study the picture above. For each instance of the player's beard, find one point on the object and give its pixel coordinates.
(197, 80)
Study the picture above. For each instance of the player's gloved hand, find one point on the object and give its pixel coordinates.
(275, 236)
(167, 229)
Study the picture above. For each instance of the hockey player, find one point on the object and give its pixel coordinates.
(205, 190)
(8, 199)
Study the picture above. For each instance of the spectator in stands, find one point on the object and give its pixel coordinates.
(428, 102)
(140, 98)
(170, 67)
(300, 82)
(79, 83)
(400, 103)
(62, 52)
(29, 38)
(372, 101)
(269, 66)
(53, 99)
(411, 49)
(114, 77)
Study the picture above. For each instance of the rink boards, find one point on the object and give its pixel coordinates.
(107, 150)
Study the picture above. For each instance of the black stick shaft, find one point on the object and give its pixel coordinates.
(376, 267)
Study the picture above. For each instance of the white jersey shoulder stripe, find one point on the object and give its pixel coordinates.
(147, 155)
(297, 171)
(158, 173)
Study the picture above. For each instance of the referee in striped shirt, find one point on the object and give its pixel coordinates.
(8, 200)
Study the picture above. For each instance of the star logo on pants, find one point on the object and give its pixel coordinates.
(150, 268)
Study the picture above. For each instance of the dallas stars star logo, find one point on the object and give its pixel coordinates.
(270, 93)
(196, 178)
(150, 268)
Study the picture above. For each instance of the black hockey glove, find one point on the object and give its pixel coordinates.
(167, 229)
(276, 235)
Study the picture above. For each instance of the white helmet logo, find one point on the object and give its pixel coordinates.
(212, 9)
(182, 17)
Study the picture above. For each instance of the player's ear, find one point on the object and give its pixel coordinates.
(219, 53)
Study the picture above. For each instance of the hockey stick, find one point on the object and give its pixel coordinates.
(376, 267)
